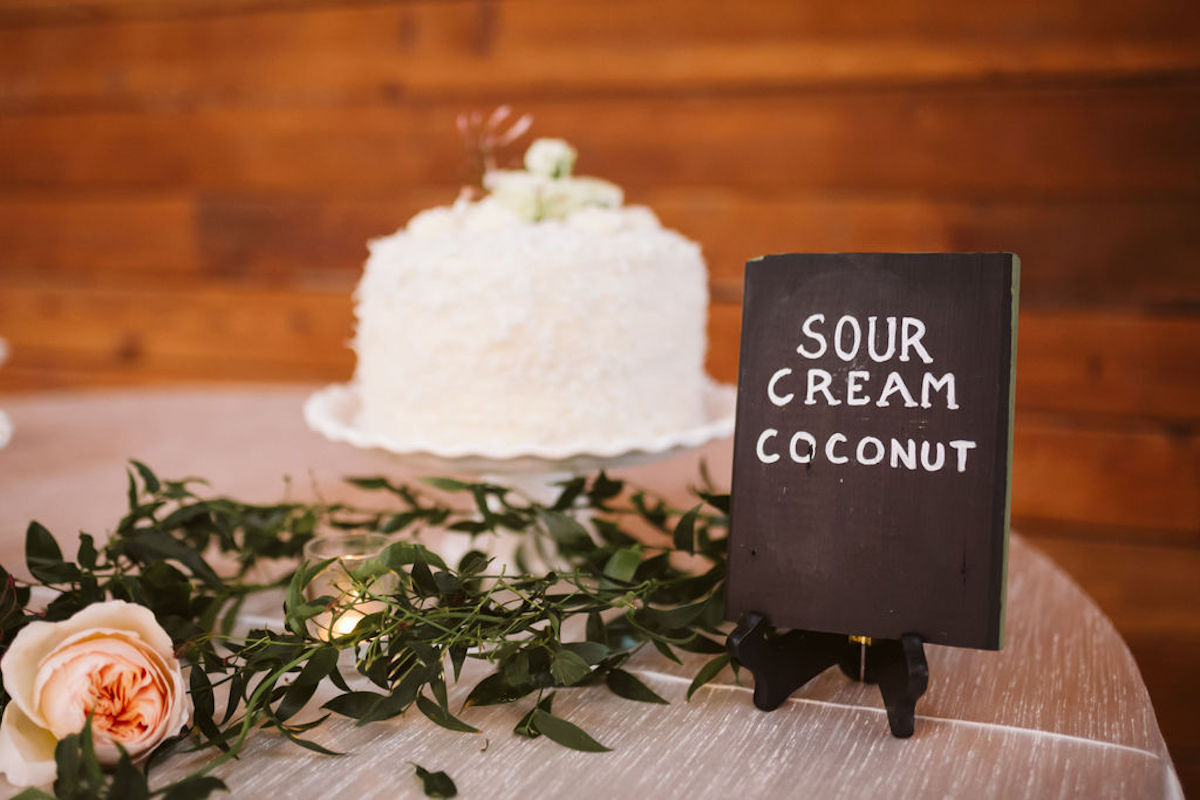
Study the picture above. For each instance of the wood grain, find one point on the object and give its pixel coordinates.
(1105, 364)
(1120, 253)
(616, 21)
(1108, 364)
(1043, 143)
(512, 49)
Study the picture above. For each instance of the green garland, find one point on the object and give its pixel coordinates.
(162, 555)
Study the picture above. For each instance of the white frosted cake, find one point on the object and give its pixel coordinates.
(544, 314)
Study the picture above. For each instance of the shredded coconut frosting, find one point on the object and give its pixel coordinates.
(486, 323)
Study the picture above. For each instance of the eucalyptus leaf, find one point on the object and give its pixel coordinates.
(685, 531)
(435, 784)
(42, 554)
(370, 483)
(707, 673)
(565, 529)
(355, 704)
(568, 667)
(590, 652)
(149, 479)
(443, 717)
(525, 726)
(161, 555)
(194, 788)
(623, 564)
(557, 729)
(447, 484)
(629, 686)
(318, 666)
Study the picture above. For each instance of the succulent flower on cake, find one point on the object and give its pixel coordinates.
(545, 189)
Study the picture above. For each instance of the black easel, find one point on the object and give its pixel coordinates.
(782, 663)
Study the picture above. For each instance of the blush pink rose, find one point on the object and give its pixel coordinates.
(111, 660)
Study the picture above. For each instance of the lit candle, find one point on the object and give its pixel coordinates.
(351, 598)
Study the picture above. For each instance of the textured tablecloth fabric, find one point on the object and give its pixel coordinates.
(1060, 712)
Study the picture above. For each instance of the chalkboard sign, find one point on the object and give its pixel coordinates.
(872, 455)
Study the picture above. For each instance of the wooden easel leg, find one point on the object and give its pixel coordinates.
(781, 664)
(899, 666)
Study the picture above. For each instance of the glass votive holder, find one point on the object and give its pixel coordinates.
(352, 599)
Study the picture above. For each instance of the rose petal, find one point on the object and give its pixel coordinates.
(50, 668)
(26, 750)
(65, 680)
(38, 639)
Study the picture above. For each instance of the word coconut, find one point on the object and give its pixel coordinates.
(903, 342)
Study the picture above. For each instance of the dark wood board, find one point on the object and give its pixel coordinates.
(893, 540)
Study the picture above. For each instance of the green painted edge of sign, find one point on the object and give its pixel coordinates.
(1012, 406)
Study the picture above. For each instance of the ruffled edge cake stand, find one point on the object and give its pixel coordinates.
(334, 410)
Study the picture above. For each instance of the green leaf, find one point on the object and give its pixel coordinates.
(496, 690)
(398, 701)
(196, 787)
(701, 644)
(565, 530)
(355, 704)
(370, 483)
(525, 726)
(655, 514)
(622, 564)
(718, 501)
(43, 556)
(149, 546)
(435, 784)
(447, 484)
(458, 655)
(685, 531)
(87, 555)
(673, 618)
(443, 717)
(571, 490)
(627, 685)
(611, 532)
(128, 782)
(203, 706)
(148, 476)
(664, 649)
(515, 669)
(298, 610)
(568, 667)
(557, 729)
(318, 666)
(707, 673)
(604, 488)
(400, 521)
(473, 562)
(422, 577)
(591, 652)
(595, 628)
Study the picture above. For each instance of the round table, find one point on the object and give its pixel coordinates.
(1060, 712)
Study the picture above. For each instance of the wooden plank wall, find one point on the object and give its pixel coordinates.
(186, 187)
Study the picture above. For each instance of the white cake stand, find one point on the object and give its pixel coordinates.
(532, 469)
(333, 412)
